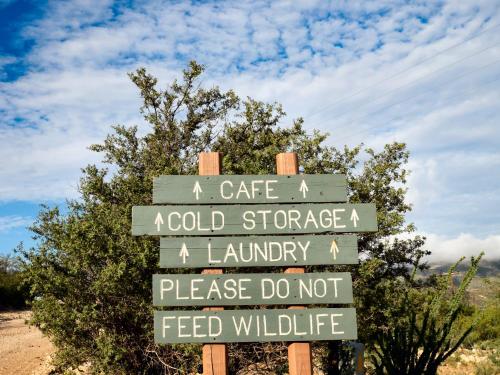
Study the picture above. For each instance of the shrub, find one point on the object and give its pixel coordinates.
(423, 332)
(12, 294)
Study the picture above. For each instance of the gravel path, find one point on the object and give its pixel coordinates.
(23, 348)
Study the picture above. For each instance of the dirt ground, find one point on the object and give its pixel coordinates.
(23, 349)
(470, 361)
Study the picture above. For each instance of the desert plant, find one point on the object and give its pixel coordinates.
(422, 333)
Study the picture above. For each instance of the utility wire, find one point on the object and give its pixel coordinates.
(410, 83)
(369, 128)
(333, 104)
(349, 122)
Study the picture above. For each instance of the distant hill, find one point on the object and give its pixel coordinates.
(487, 268)
(483, 289)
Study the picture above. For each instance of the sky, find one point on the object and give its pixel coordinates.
(426, 73)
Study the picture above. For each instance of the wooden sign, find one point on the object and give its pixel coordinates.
(249, 189)
(251, 251)
(214, 221)
(252, 289)
(253, 219)
(255, 325)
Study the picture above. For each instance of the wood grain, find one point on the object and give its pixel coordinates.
(299, 353)
(215, 358)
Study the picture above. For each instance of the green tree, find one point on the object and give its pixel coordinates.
(91, 280)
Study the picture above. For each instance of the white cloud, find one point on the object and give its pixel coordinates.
(450, 249)
(335, 64)
(8, 223)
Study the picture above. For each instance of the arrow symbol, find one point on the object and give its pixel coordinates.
(197, 190)
(354, 217)
(158, 221)
(303, 188)
(184, 253)
(334, 249)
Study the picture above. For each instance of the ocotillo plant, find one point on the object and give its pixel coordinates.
(425, 335)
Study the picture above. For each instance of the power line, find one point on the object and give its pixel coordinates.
(411, 83)
(369, 128)
(453, 79)
(333, 104)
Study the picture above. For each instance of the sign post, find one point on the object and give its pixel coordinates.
(214, 355)
(211, 221)
(299, 353)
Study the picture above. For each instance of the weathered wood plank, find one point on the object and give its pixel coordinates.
(255, 325)
(238, 189)
(252, 251)
(252, 289)
(253, 219)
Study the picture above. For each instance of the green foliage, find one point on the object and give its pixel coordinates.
(486, 369)
(12, 294)
(422, 332)
(486, 333)
(91, 279)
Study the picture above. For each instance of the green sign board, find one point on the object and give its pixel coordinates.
(253, 219)
(249, 189)
(254, 325)
(252, 289)
(252, 251)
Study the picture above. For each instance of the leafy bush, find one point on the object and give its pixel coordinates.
(487, 330)
(12, 294)
(423, 331)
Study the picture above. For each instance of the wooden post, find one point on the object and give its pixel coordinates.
(359, 354)
(214, 355)
(299, 353)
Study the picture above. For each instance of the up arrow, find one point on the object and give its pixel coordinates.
(158, 221)
(197, 190)
(354, 217)
(334, 249)
(303, 188)
(184, 253)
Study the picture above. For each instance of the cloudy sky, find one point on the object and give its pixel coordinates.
(425, 73)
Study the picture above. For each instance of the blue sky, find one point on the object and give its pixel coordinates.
(426, 73)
